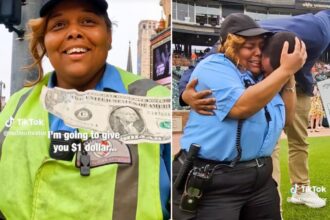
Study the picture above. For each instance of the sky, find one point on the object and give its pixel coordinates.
(125, 14)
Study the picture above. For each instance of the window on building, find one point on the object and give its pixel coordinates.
(272, 2)
(182, 11)
(213, 17)
(191, 12)
(278, 12)
(228, 9)
(213, 9)
(208, 14)
(201, 13)
(272, 16)
(256, 12)
(174, 8)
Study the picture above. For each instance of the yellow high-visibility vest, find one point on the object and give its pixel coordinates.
(37, 187)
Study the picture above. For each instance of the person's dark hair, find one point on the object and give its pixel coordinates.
(274, 45)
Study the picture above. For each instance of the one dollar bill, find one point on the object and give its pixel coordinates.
(136, 118)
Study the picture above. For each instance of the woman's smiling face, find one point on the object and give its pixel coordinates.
(77, 41)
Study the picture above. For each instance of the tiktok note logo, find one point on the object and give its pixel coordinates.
(294, 189)
(301, 188)
(9, 123)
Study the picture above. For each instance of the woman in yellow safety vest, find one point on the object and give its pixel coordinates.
(41, 181)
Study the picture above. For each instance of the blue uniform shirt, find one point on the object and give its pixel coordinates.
(187, 73)
(112, 80)
(217, 134)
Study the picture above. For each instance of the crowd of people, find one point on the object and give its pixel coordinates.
(320, 72)
(180, 59)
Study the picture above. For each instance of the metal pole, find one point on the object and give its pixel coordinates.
(20, 55)
(2, 85)
(1, 96)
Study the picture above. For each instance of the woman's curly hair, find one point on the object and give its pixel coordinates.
(36, 45)
(231, 47)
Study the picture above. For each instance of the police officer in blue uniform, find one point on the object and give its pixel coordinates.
(230, 177)
(314, 30)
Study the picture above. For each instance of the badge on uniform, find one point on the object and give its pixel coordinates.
(99, 152)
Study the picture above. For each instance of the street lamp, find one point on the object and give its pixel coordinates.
(2, 85)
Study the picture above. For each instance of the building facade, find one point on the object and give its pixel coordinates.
(160, 68)
(147, 28)
(197, 23)
(166, 4)
(2, 98)
(2, 102)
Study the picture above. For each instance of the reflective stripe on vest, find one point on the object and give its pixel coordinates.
(141, 87)
(2, 217)
(126, 197)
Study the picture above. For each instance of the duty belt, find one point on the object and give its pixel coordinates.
(225, 165)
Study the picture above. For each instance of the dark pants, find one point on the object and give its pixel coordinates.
(234, 194)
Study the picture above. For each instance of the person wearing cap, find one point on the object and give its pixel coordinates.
(234, 154)
(38, 184)
(314, 30)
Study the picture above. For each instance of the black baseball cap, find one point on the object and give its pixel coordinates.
(47, 5)
(240, 24)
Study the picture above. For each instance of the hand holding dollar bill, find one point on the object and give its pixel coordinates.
(136, 118)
